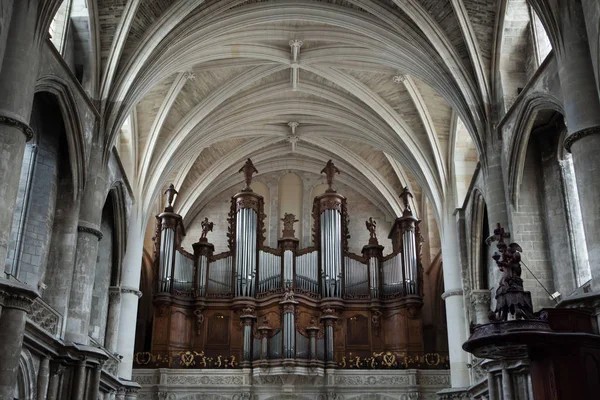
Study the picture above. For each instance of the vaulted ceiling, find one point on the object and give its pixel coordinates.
(191, 88)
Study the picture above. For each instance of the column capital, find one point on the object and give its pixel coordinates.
(575, 136)
(14, 294)
(22, 126)
(481, 297)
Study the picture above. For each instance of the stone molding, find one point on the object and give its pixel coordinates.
(575, 136)
(91, 231)
(334, 385)
(26, 129)
(17, 301)
(131, 290)
(14, 294)
(452, 292)
(114, 292)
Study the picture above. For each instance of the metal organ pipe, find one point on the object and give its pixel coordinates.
(410, 260)
(167, 246)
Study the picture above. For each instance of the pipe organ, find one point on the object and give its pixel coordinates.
(257, 305)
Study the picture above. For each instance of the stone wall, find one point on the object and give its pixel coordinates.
(34, 220)
(529, 231)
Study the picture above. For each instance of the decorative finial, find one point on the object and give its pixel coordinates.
(404, 196)
(511, 298)
(330, 170)
(372, 228)
(288, 225)
(170, 192)
(206, 227)
(293, 138)
(248, 170)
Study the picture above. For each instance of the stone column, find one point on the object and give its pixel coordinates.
(56, 371)
(94, 386)
(79, 378)
(130, 295)
(455, 305)
(492, 395)
(582, 116)
(507, 389)
(16, 300)
(89, 234)
(273, 212)
(307, 204)
(17, 82)
(80, 302)
(480, 302)
(5, 14)
(112, 323)
(575, 229)
(43, 378)
(495, 198)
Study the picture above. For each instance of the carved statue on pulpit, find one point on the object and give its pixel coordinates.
(248, 170)
(206, 227)
(330, 170)
(372, 227)
(510, 295)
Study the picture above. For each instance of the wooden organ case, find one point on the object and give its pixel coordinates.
(259, 306)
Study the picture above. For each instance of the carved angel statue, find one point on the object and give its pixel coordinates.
(206, 227)
(288, 221)
(289, 293)
(248, 170)
(170, 192)
(404, 196)
(330, 170)
(372, 227)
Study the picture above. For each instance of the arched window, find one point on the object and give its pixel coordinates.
(541, 41)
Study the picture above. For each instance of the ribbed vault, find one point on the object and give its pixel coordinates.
(374, 85)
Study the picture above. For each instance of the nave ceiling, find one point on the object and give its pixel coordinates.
(191, 88)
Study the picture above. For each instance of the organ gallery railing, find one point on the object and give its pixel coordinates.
(376, 360)
(256, 285)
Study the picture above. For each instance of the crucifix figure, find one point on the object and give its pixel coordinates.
(248, 170)
(330, 170)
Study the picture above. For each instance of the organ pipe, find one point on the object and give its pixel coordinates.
(171, 230)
